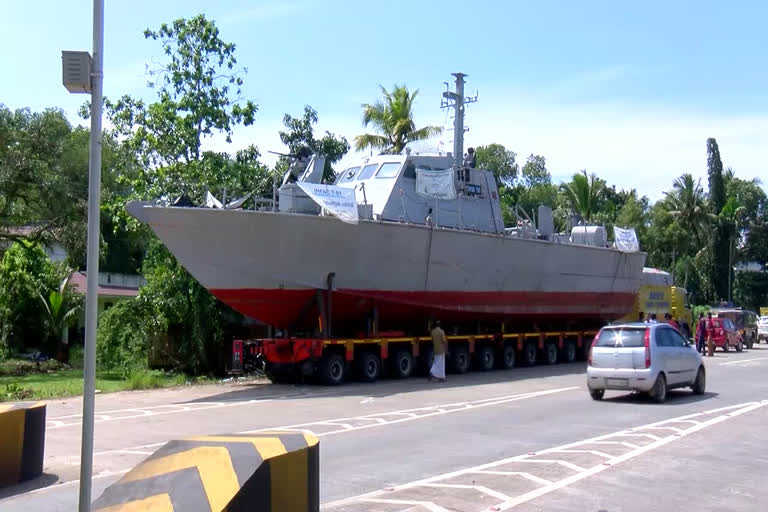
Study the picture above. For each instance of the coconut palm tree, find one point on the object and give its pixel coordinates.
(583, 194)
(392, 118)
(687, 204)
(60, 311)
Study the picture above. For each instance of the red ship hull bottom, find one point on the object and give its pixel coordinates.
(298, 309)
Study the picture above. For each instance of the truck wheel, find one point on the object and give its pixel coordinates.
(332, 369)
(550, 353)
(368, 366)
(739, 347)
(596, 394)
(529, 354)
(484, 358)
(277, 376)
(507, 359)
(459, 358)
(750, 343)
(401, 364)
(568, 354)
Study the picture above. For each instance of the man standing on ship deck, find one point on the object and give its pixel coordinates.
(439, 346)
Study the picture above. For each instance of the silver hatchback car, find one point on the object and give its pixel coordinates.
(649, 358)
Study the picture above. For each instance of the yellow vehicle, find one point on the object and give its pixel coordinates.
(658, 295)
(763, 311)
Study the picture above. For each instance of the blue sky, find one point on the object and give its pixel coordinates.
(630, 92)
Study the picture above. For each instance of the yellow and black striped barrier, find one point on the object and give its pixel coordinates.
(261, 472)
(22, 441)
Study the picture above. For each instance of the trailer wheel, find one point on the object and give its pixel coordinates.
(368, 366)
(550, 353)
(507, 359)
(401, 364)
(484, 358)
(459, 358)
(529, 354)
(332, 369)
(568, 354)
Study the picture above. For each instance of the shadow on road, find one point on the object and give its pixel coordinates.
(388, 387)
(675, 397)
(44, 480)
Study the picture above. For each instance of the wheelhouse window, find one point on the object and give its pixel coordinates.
(367, 172)
(349, 174)
(389, 170)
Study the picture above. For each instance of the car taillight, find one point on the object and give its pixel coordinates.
(594, 341)
(647, 344)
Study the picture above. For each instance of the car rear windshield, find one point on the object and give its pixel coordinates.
(621, 338)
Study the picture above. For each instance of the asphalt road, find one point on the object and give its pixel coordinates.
(527, 439)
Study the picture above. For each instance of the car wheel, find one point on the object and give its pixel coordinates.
(659, 391)
(596, 394)
(726, 348)
(739, 347)
(700, 384)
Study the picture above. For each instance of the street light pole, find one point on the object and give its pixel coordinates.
(91, 298)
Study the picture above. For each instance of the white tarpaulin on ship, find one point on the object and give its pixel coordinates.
(435, 184)
(338, 201)
(626, 239)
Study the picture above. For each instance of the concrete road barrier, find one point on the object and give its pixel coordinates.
(262, 472)
(22, 441)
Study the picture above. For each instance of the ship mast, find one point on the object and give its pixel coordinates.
(456, 100)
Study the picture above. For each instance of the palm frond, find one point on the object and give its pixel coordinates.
(426, 132)
(369, 140)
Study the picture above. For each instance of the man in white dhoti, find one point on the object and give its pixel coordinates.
(439, 347)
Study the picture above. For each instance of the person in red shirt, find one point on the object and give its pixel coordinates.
(668, 318)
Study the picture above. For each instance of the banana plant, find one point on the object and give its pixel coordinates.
(59, 309)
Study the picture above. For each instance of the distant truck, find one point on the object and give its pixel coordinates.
(764, 311)
(658, 295)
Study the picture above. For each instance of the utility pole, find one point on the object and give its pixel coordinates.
(83, 73)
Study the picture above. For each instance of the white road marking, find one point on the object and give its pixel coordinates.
(593, 452)
(72, 420)
(480, 488)
(744, 361)
(529, 476)
(428, 505)
(376, 418)
(410, 414)
(705, 419)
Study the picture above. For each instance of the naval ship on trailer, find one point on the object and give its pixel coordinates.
(409, 257)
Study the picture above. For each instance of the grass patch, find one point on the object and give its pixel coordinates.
(69, 382)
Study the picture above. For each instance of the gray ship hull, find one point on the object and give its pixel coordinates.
(269, 266)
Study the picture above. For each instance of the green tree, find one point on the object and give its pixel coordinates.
(721, 239)
(583, 194)
(199, 95)
(42, 186)
(25, 273)
(500, 161)
(300, 139)
(392, 118)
